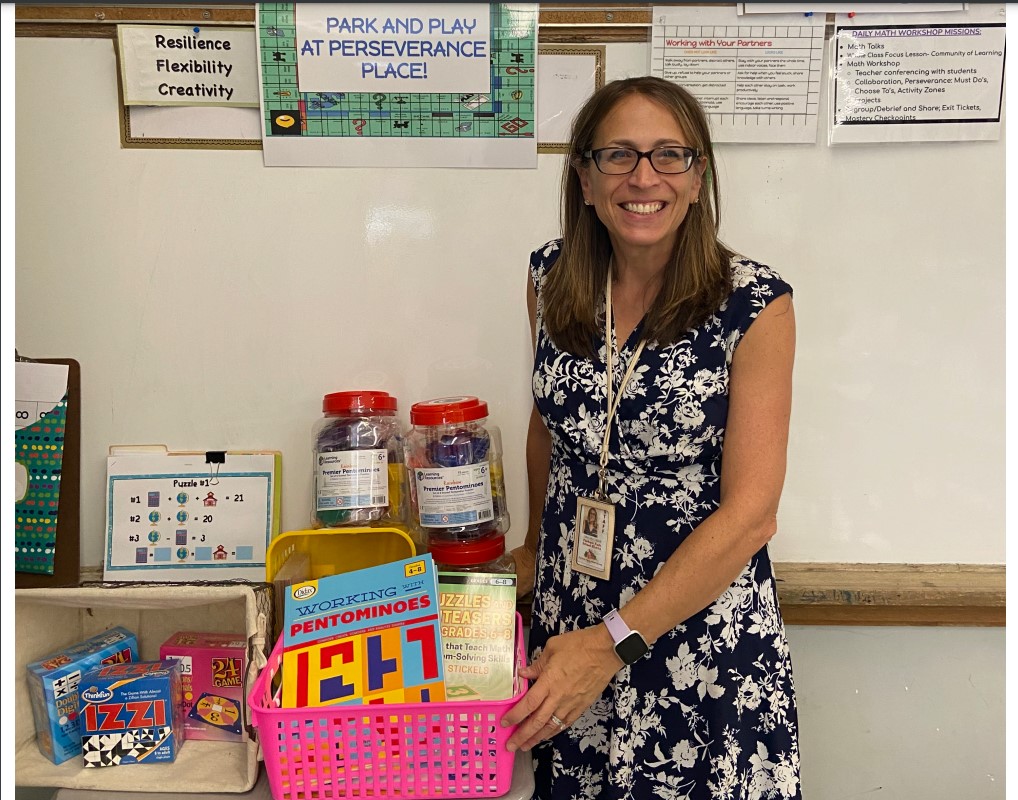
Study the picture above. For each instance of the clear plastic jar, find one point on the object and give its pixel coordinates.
(454, 458)
(359, 474)
(487, 554)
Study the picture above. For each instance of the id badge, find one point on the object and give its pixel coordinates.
(593, 533)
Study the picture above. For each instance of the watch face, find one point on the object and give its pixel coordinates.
(632, 648)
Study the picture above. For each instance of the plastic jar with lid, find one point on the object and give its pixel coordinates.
(454, 459)
(358, 478)
(487, 554)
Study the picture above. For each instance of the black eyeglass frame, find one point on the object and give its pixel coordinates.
(592, 155)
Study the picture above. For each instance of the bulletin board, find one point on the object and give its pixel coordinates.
(573, 70)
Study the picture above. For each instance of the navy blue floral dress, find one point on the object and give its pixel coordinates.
(710, 713)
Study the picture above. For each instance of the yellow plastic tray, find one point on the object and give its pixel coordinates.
(334, 550)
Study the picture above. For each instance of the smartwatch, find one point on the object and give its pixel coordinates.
(630, 645)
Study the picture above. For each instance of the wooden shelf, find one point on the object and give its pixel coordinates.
(557, 24)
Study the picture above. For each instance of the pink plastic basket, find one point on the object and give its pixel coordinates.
(407, 750)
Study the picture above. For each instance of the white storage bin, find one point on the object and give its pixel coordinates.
(47, 620)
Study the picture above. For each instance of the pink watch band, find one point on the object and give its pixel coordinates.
(616, 625)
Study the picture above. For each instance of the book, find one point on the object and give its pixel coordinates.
(478, 625)
(367, 636)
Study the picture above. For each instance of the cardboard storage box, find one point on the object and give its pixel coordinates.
(47, 620)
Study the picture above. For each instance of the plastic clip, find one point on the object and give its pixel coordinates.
(214, 458)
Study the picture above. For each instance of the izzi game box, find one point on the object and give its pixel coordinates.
(130, 714)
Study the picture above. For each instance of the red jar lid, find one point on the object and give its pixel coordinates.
(358, 402)
(448, 410)
(478, 551)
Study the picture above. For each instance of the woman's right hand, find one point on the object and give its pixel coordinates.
(526, 569)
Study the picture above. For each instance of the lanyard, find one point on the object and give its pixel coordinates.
(612, 404)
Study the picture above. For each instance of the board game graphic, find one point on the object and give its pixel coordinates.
(54, 681)
(212, 667)
(217, 711)
(507, 110)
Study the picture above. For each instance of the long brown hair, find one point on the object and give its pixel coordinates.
(697, 279)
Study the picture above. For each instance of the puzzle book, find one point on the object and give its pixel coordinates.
(368, 636)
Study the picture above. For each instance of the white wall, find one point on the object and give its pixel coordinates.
(211, 302)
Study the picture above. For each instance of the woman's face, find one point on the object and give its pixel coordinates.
(592, 516)
(644, 209)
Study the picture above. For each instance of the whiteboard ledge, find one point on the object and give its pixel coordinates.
(968, 595)
(891, 594)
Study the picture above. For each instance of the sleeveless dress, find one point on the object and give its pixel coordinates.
(710, 713)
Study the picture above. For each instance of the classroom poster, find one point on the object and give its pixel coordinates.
(166, 65)
(902, 80)
(398, 84)
(758, 80)
(189, 516)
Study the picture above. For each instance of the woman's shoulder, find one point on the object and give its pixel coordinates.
(756, 278)
(542, 259)
(546, 255)
(754, 287)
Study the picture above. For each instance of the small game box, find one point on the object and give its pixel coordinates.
(53, 685)
(212, 669)
(130, 714)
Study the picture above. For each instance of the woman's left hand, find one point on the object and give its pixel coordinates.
(568, 677)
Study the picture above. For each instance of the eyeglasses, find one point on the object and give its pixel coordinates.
(668, 160)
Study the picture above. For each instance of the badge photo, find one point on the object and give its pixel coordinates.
(593, 533)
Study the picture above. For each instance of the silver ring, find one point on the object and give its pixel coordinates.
(559, 723)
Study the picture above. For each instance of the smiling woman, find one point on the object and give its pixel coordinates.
(641, 197)
(633, 213)
(657, 351)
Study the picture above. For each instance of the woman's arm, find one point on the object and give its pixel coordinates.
(574, 668)
(752, 476)
(538, 466)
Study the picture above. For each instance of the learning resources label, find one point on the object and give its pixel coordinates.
(452, 496)
(352, 479)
